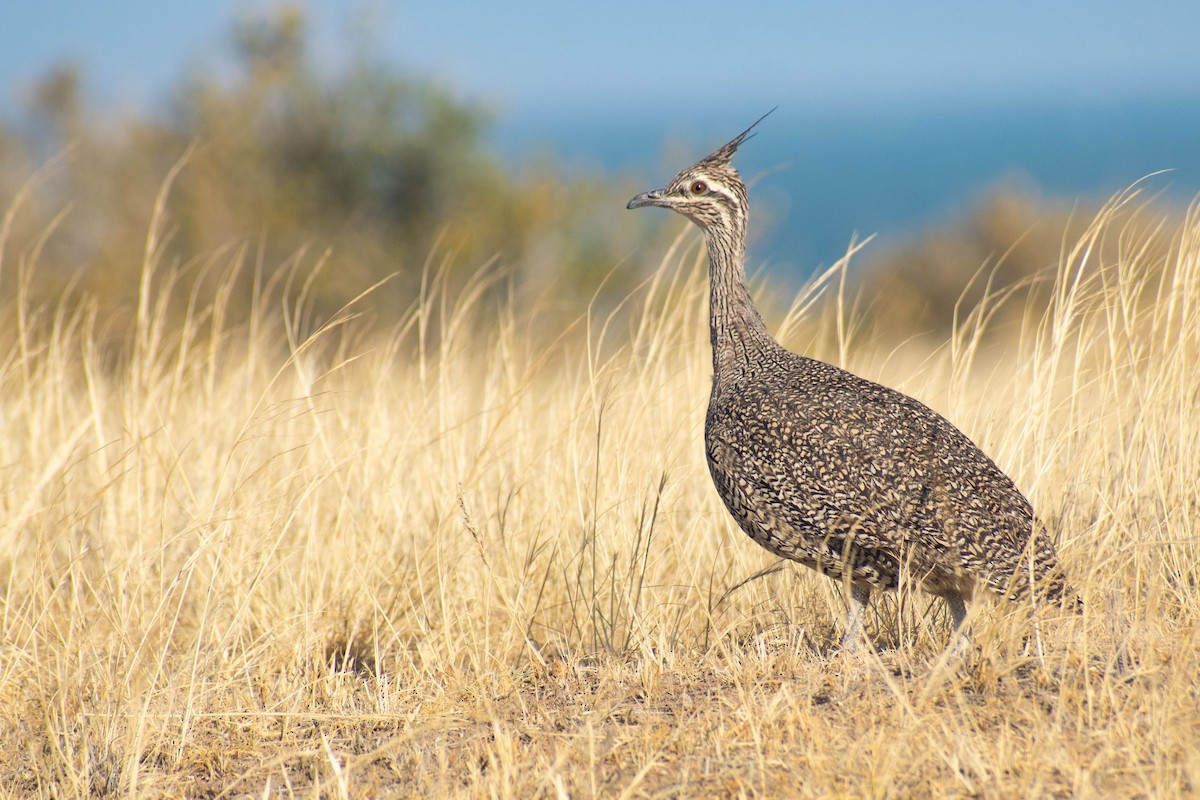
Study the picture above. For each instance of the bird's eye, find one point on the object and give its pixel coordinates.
(698, 187)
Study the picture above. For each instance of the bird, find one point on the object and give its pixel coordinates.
(849, 477)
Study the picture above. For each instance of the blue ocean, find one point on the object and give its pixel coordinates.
(821, 177)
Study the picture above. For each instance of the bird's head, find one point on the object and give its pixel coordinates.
(710, 192)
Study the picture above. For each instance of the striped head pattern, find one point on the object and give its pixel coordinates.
(710, 192)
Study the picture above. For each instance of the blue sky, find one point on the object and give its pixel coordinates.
(526, 56)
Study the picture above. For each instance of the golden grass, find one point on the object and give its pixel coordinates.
(456, 559)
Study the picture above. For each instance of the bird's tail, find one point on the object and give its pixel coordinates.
(1060, 593)
(1039, 572)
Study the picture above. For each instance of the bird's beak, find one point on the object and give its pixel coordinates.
(654, 198)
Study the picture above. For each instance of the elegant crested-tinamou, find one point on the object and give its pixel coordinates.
(851, 478)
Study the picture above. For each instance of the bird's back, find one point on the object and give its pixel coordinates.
(846, 475)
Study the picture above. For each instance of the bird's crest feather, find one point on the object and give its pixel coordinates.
(726, 151)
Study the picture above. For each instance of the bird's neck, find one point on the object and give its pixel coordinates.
(740, 340)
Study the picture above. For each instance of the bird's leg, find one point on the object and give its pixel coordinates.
(958, 613)
(860, 593)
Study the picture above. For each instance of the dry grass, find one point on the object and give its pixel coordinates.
(455, 559)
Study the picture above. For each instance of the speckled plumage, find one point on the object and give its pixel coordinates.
(851, 478)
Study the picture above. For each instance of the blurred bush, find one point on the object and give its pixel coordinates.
(362, 172)
(999, 257)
